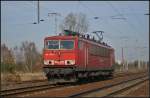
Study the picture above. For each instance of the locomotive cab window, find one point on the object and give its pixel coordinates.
(52, 44)
(66, 44)
(59, 44)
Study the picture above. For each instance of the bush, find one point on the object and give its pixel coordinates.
(7, 68)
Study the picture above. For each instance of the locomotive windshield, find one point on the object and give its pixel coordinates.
(66, 44)
(59, 44)
(52, 44)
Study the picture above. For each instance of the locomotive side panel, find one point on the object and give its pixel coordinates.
(112, 58)
(81, 56)
(99, 58)
(93, 57)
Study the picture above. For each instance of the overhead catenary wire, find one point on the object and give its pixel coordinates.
(117, 11)
(131, 25)
(89, 9)
(136, 16)
(100, 17)
(106, 22)
(24, 5)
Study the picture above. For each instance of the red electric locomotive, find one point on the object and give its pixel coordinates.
(70, 57)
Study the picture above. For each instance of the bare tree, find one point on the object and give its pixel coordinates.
(31, 55)
(75, 22)
(6, 55)
(23, 58)
(19, 56)
(7, 59)
(82, 23)
(19, 59)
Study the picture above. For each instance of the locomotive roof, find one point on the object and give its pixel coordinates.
(60, 37)
(97, 43)
(81, 38)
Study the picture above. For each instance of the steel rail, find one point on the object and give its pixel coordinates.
(126, 88)
(21, 85)
(106, 87)
(28, 89)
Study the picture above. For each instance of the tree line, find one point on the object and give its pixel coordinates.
(23, 58)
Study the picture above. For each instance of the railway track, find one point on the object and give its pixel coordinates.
(112, 89)
(128, 86)
(41, 87)
(13, 92)
(23, 84)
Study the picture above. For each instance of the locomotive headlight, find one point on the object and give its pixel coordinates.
(49, 62)
(45, 62)
(69, 62)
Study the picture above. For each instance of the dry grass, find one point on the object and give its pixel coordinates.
(9, 78)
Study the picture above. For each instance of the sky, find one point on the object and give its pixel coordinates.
(129, 31)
